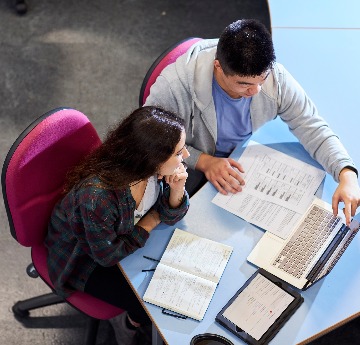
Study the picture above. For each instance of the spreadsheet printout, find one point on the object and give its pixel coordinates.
(278, 189)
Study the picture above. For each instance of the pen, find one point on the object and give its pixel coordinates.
(150, 270)
(146, 257)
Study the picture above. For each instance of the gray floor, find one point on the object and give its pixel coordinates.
(91, 55)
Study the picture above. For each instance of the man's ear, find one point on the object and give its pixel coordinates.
(217, 65)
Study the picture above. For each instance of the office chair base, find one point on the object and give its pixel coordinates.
(92, 327)
(22, 308)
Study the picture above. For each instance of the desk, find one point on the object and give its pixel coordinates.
(325, 63)
(326, 303)
(314, 14)
(316, 42)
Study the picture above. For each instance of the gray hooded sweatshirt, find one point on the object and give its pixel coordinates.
(185, 87)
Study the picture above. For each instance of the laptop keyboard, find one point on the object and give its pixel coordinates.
(305, 243)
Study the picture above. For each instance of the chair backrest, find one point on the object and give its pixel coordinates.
(34, 170)
(166, 58)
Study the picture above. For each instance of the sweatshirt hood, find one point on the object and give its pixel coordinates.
(195, 71)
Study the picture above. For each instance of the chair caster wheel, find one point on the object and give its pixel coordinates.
(20, 7)
(31, 271)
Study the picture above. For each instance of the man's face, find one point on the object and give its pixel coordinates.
(236, 86)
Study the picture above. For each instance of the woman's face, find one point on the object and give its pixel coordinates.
(180, 153)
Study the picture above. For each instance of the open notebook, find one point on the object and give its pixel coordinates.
(311, 250)
(188, 274)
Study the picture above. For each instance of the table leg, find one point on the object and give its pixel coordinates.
(156, 338)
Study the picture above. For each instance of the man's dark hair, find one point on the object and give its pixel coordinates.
(245, 48)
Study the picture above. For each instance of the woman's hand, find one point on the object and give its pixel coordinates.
(176, 181)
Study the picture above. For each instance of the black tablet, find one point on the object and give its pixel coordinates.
(260, 308)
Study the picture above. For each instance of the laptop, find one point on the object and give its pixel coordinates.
(310, 251)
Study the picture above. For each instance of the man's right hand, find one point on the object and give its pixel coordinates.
(223, 173)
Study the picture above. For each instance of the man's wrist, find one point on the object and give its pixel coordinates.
(202, 161)
(349, 168)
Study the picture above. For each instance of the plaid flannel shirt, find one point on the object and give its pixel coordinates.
(94, 226)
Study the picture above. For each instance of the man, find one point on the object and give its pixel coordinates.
(226, 89)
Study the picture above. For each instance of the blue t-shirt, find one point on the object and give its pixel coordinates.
(233, 120)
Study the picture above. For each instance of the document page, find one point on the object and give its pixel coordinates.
(197, 255)
(188, 273)
(180, 292)
(278, 189)
(258, 306)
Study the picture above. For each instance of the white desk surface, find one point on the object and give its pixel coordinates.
(314, 13)
(326, 303)
(326, 65)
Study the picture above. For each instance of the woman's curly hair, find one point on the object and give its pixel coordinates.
(133, 150)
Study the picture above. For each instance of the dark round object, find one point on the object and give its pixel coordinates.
(21, 7)
(210, 339)
(31, 271)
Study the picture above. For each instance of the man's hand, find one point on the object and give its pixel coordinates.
(348, 192)
(223, 173)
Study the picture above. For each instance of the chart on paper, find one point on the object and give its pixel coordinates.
(278, 189)
(277, 179)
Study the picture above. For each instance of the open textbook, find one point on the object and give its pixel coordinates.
(187, 275)
(278, 189)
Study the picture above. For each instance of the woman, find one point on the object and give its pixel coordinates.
(113, 199)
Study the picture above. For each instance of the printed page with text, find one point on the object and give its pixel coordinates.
(188, 273)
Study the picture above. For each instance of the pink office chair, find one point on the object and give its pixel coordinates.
(32, 178)
(166, 58)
